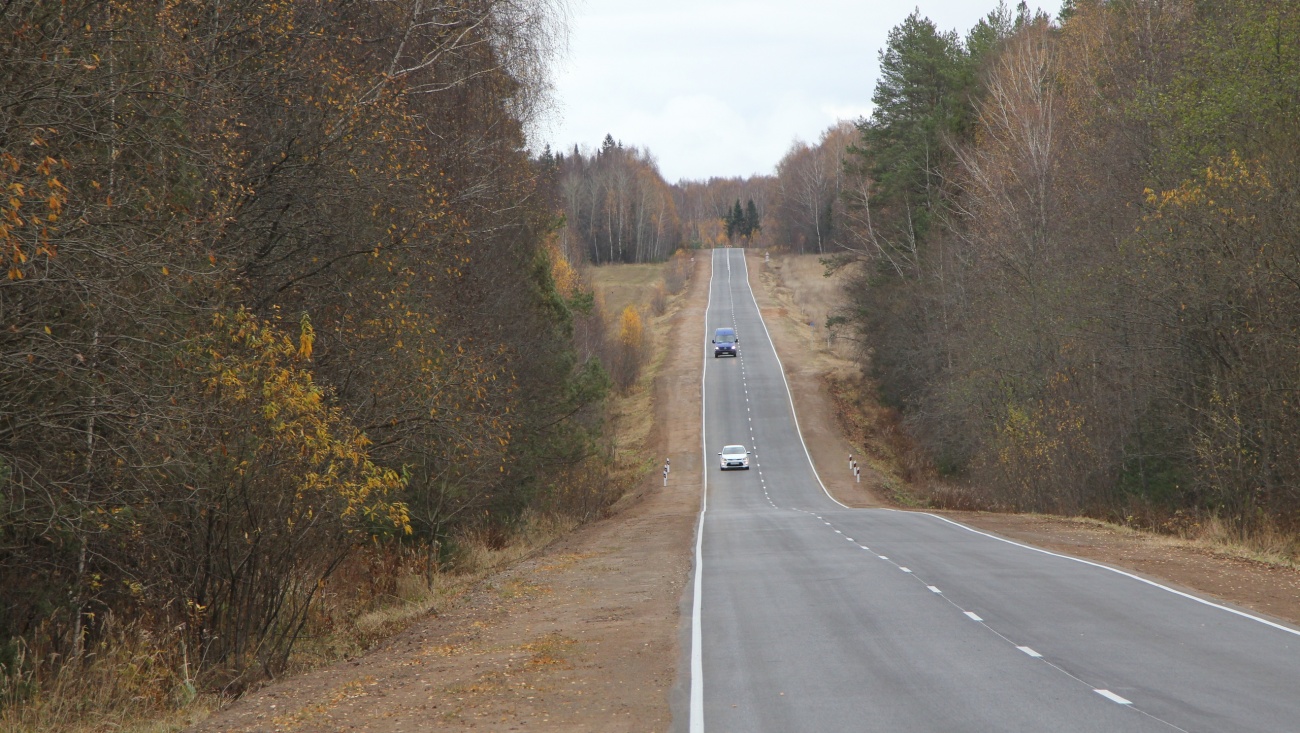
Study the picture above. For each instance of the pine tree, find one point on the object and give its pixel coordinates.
(752, 223)
(735, 221)
(922, 103)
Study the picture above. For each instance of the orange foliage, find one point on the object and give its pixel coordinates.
(630, 332)
(31, 200)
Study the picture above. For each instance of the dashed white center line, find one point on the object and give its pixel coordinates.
(933, 589)
(973, 616)
(904, 569)
(1029, 651)
(1113, 697)
(882, 557)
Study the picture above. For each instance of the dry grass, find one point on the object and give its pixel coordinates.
(619, 286)
(135, 682)
(130, 680)
(1267, 544)
(632, 413)
(810, 297)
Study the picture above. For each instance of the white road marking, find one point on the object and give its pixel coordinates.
(1113, 697)
(882, 557)
(904, 569)
(933, 589)
(697, 636)
(1030, 652)
(1140, 579)
(789, 395)
(973, 616)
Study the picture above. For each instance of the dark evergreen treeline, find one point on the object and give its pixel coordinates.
(274, 285)
(1079, 256)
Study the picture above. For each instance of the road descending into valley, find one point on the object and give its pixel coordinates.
(810, 616)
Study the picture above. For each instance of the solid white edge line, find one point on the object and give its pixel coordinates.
(789, 395)
(1139, 578)
(697, 638)
(1113, 697)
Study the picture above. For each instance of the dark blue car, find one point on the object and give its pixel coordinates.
(725, 342)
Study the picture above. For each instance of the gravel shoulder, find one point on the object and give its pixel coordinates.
(584, 635)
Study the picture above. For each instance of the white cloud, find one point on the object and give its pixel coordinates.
(722, 88)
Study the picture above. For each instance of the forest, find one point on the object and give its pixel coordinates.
(282, 292)
(1075, 256)
(285, 295)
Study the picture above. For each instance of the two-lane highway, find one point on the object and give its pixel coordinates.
(810, 616)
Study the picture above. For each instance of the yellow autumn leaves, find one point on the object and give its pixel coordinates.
(282, 420)
(31, 200)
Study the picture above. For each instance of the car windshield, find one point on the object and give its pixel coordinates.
(725, 336)
(732, 450)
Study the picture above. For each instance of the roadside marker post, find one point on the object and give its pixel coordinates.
(857, 474)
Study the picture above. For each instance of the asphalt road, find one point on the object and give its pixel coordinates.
(810, 616)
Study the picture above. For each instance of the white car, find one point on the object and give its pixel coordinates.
(734, 456)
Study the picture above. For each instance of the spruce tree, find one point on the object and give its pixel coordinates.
(752, 225)
(736, 221)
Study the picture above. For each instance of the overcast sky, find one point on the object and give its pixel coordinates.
(723, 87)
